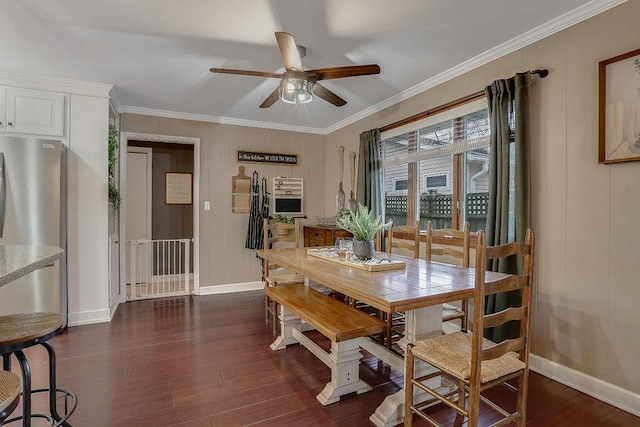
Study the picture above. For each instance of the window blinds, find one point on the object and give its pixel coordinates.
(458, 130)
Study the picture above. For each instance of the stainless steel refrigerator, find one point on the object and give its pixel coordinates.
(33, 211)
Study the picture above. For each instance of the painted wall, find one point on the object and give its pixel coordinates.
(585, 214)
(223, 257)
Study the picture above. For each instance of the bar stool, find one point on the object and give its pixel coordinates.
(9, 393)
(20, 331)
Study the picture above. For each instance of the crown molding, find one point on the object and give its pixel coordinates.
(115, 103)
(57, 84)
(126, 109)
(545, 30)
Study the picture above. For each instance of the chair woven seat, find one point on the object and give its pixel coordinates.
(9, 393)
(452, 354)
(451, 312)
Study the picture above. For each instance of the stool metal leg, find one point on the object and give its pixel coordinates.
(26, 388)
(6, 362)
(60, 421)
(53, 390)
(54, 419)
(25, 370)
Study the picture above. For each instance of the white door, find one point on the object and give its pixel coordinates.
(138, 209)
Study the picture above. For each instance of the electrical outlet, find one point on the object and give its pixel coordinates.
(207, 205)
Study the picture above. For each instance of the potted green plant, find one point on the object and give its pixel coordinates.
(363, 228)
(282, 219)
(114, 193)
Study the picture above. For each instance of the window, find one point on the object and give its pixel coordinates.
(436, 181)
(401, 184)
(444, 161)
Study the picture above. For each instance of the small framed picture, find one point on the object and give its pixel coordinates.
(178, 188)
(619, 108)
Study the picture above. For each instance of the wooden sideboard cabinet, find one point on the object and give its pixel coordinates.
(323, 236)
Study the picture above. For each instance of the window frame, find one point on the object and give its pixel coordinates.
(455, 111)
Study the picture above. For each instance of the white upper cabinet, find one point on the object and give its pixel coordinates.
(33, 112)
(3, 109)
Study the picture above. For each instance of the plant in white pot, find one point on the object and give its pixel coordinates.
(363, 228)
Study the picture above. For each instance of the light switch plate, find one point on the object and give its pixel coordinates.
(207, 205)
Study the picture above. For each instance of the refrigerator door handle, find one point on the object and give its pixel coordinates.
(3, 194)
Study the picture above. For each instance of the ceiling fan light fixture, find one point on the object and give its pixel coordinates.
(296, 91)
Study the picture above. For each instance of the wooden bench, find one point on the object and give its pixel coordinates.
(342, 324)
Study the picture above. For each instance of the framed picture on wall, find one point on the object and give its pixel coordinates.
(178, 189)
(619, 108)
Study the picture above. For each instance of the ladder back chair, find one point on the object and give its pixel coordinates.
(474, 362)
(377, 244)
(457, 244)
(405, 238)
(280, 235)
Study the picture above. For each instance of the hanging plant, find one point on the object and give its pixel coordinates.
(114, 193)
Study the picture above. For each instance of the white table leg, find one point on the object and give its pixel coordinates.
(419, 324)
(345, 372)
(288, 322)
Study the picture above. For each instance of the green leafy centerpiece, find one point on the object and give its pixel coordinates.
(363, 228)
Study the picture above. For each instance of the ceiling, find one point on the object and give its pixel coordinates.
(157, 53)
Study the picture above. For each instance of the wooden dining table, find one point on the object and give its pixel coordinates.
(419, 290)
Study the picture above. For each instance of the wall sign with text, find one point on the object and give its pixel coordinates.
(275, 158)
(178, 188)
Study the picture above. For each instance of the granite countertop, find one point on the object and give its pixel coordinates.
(19, 260)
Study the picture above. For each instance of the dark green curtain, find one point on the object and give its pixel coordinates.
(509, 210)
(370, 185)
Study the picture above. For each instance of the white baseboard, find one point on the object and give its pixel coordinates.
(88, 317)
(601, 390)
(235, 287)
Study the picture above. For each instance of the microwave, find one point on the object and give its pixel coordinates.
(288, 196)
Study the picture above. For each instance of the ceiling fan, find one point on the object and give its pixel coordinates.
(298, 86)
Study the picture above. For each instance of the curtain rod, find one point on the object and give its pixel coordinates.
(449, 105)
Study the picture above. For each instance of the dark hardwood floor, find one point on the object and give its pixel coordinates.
(205, 361)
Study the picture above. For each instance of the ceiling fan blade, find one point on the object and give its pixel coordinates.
(289, 51)
(346, 71)
(327, 95)
(271, 99)
(246, 72)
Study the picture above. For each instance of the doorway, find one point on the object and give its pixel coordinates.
(138, 209)
(160, 239)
